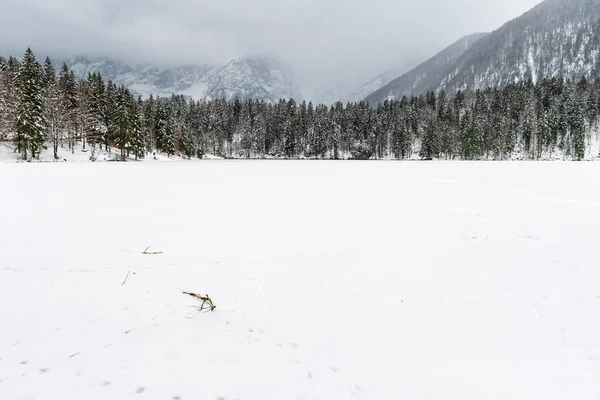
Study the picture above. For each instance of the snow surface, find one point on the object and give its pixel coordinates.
(332, 280)
(8, 155)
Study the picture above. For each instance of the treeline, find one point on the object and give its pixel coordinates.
(40, 108)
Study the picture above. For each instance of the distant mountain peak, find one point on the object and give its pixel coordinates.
(245, 77)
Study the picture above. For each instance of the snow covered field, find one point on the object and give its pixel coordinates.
(332, 280)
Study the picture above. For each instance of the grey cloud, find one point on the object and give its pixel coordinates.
(348, 40)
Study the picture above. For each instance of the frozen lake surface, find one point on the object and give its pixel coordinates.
(332, 280)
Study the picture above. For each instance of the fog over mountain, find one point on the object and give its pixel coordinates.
(322, 40)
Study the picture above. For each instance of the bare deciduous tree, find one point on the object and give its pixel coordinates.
(57, 114)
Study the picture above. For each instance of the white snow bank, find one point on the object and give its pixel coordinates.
(79, 154)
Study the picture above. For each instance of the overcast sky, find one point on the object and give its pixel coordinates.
(348, 39)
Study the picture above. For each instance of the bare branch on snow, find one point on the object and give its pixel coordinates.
(207, 303)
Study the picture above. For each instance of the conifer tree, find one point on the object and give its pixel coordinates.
(289, 130)
(95, 112)
(322, 130)
(122, 121)
(469, 137)
(401, 143)
(31, 121)
(67, 88)
(138, 142)
(186, 144)
(429, 144)
(168, 140)
(578, 121)
(111, 114)
(149, 116)
(339, 130)
(13, 64)
(160, 125)
(49, 74)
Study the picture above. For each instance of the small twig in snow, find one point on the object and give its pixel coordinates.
(126, 278)
(151, 252)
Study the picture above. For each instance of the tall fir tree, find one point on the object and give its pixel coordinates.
(49, 74)
(122, 121)
(31, 123)
(138, 142)
(168, 141)
(67, 87)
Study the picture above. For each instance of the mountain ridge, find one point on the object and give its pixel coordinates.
(556, 38)
(419, 79)
(257, 78)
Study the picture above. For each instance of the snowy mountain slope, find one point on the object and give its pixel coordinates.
(556, 38)
(373, 85)
(142, 79)
(426, 75)
(257, 78)
(347, 89)
(251, 78)
(383, 79)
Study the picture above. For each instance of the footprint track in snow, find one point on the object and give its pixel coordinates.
(353, 390)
